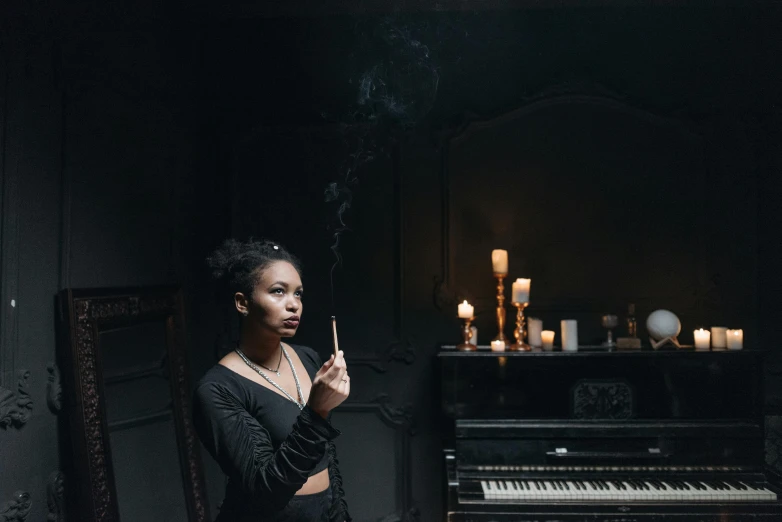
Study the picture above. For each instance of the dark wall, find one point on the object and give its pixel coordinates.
(100, 166)
(135, 139)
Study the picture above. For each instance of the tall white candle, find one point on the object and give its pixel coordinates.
(520, 291)
(547, 336)
(534, 329)
(569, 335)
(499, 261)
(719, 336)
(498, 346)
(702, 338)
(735, 339)
(465, 310)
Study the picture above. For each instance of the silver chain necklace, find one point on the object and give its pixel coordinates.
(277, 371)
(300, 403)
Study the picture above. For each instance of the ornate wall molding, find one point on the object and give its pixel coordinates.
(445, 290)
(17, 509)
(400, 419)
(16, 407)
(53, 389)
(55, 497)
(10, 155)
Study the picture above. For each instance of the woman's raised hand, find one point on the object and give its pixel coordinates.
(331, 385)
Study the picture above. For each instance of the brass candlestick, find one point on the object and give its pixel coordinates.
(500, 308)
(467, 346)
(520, 333)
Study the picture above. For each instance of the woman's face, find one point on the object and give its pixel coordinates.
(276, 300)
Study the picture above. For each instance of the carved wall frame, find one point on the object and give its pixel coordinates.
(444, 286)
(400, 419)
(15, 402)
(400, 348)
(83, 314)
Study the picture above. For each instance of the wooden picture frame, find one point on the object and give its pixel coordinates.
(82, 315)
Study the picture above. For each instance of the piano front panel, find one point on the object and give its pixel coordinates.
(619, 437)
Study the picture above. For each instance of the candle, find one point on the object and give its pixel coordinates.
(702, 338)
(547, 336)
(719, 337)
(499, 261)
(474, 335)
(735, 339)
(521, 290)
(569, 335)
(498, 346)
(534, 327)
(465, 310)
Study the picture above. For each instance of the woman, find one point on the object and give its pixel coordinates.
(263, 412)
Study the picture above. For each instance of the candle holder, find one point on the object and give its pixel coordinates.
(501, 312)
(520, 333)
(466, 345)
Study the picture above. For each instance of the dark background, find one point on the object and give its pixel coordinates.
(627, 154)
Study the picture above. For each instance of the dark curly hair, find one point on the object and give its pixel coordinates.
(240, 263)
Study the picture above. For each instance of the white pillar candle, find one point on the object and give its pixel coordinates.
(465, 310)
(499, 261)
(547, 336)
(702, 338)
(520, 289)
(534, 328)
(569, 335)
(474, 335)
(719, 337)
(735, 339)
(498, 346)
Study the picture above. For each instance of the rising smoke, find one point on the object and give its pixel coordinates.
(396, 80)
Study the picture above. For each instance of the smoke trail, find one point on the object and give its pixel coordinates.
(396, 83)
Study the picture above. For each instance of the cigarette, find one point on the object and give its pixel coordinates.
(334, 334)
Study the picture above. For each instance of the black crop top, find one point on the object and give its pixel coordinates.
(262, 441)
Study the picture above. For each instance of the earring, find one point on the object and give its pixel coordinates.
(245, 313)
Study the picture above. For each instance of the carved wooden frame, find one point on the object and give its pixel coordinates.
(82, 315)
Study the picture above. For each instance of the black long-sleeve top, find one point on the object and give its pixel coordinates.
(264, 444)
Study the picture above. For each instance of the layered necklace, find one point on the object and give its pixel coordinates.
(300, 403)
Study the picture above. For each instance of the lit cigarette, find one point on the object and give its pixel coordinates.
(334, 334)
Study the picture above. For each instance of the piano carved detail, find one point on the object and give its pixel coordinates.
(602, 400)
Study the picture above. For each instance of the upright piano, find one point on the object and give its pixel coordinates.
(606, 436)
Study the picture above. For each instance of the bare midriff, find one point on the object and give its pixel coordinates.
(315, 484)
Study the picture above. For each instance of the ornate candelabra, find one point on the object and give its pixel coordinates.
(500, 308)
(466, 345)
(520, 333)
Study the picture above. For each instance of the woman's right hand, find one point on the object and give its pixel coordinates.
(331, 385)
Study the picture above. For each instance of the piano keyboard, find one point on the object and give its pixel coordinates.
(626, 491)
